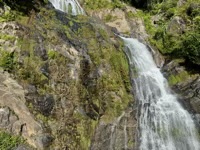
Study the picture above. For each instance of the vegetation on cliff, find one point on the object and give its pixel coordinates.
(73, 73)
(173, 27)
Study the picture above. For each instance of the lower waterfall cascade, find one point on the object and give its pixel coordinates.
(69, 6)
(163, 124)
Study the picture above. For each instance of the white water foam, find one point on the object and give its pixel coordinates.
(69, 6)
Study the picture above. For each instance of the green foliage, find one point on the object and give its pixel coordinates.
(183, 44)
(8, 142)
(166, 5)
(190, 47)
(6, 60)
(8, 15)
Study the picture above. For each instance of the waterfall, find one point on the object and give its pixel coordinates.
(163, 124)
(69, 6)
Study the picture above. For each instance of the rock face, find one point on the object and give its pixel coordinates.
(176, 25)
(15, 116)
(118, 134)
(186, 85)
(124, 21)
(190, 93)
(67, 76)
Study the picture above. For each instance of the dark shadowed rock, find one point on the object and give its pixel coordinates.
(44, 140)
(45, 69)
(193, 9)
(41, 52)
(45, 104)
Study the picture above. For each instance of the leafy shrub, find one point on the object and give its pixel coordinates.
(6, 60)
(25, 6)
(190, 48)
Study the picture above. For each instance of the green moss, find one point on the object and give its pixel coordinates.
(104, 34)
(52, 54)
(131, 143)
(8, 142)
(85, 129)
(130, 15)
(42, 118)
(70, 23)
(174, 79)
(86, 32)
(110, 18)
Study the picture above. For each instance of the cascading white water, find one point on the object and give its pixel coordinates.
(69, 6)
(162, 122)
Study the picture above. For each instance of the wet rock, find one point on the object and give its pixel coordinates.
(158, 58)
(197, 118)
(188, 89)
(195, 102)
(172, 68)
(62, 17)
(117, 134)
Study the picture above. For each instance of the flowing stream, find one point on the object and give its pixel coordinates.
(69, 6)
(163, 124)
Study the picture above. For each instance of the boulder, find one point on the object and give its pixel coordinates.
(176, 25)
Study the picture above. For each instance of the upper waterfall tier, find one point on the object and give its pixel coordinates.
(69, 6)
(162, 122)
